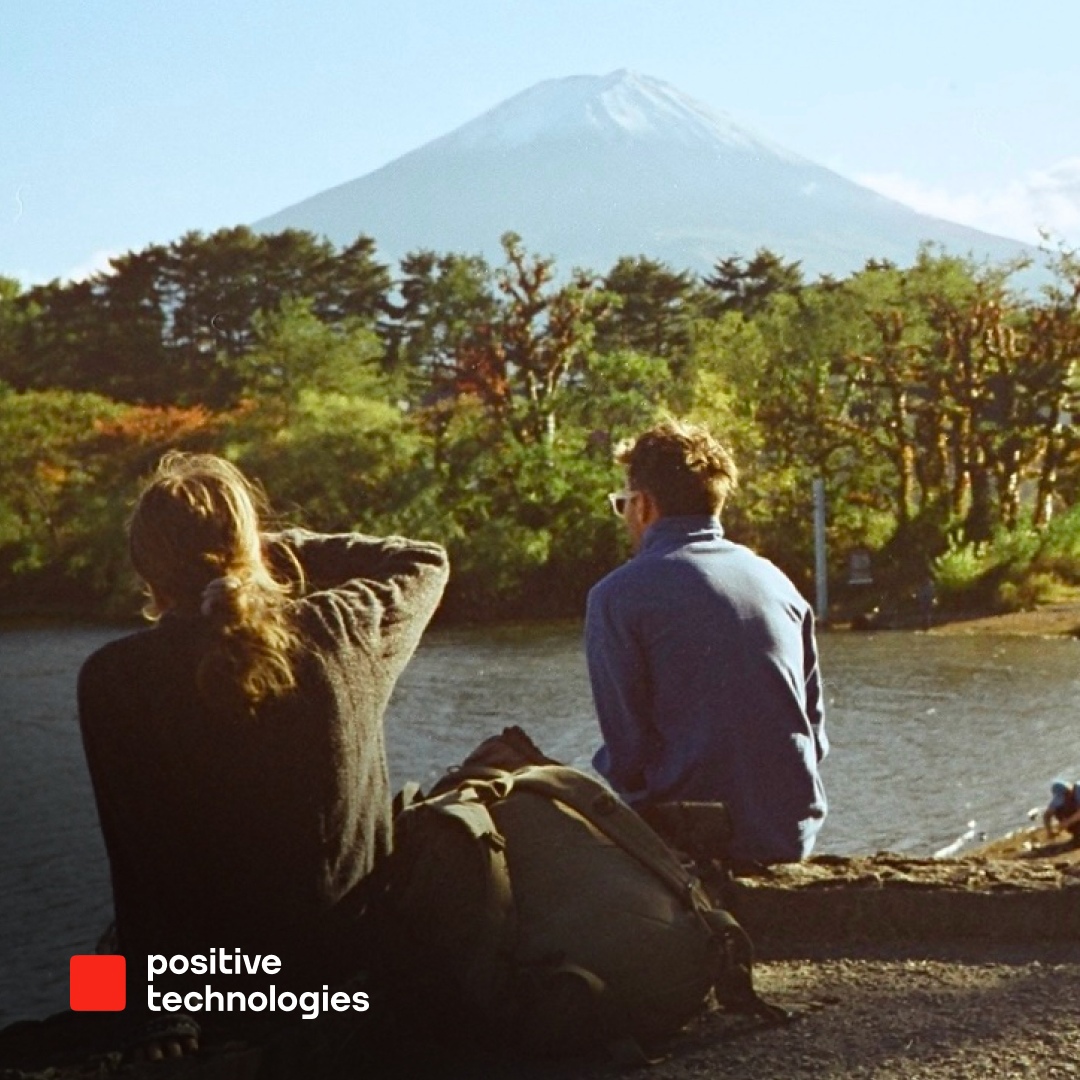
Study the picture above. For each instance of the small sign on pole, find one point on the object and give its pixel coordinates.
(860, 567)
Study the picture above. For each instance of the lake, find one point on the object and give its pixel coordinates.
(928, 734)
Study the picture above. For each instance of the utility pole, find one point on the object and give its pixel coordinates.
(821, 575)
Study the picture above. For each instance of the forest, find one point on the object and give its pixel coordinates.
(479, 405)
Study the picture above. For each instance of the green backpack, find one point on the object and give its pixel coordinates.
(540, 911)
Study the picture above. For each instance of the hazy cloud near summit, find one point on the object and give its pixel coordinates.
(97, 263)
(1045, 199)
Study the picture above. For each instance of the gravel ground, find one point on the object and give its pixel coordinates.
(939, 1014)
(943, 1012)
(906, 1012)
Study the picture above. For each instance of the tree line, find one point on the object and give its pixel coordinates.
(480, 404)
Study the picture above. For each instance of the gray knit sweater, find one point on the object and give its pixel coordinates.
(255, 833)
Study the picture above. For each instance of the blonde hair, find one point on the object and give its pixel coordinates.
(685, 468)
(196, 542)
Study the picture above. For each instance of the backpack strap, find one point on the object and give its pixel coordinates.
(734, 982)
(608, 813)
(406, 797)
(496, 916)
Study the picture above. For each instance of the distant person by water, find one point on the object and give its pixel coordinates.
(236, 748)
(1063, 811)
(926, 597)
(703, 659)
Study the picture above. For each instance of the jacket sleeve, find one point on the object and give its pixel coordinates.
(388, 587)
(619, 677)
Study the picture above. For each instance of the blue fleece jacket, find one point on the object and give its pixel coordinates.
(705, 677)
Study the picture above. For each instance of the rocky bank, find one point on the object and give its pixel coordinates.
(893, 968)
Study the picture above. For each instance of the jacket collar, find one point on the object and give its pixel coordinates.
(675, 531)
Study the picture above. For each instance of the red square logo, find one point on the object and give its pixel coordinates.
(98, 983)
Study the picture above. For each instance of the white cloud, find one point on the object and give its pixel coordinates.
(97, 263)
(1047, 200)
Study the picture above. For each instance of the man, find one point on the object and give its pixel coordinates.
(702, 657)
(1063, 811)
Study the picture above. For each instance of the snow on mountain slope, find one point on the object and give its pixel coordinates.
(622, 104)
(590, 168)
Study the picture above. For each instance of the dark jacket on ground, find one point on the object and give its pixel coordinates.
(254, 833)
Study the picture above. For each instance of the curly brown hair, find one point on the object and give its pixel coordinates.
(682, 466)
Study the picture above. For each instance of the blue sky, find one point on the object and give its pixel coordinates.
(129, 122)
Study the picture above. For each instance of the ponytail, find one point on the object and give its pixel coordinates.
(195, 540)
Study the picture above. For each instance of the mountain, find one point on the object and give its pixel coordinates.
(592, 168)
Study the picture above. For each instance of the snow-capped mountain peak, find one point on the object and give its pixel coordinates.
(620, 105)
(591, 168)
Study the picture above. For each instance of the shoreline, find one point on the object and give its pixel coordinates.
(1027, 844)
(1058, 619)
(1050, 620)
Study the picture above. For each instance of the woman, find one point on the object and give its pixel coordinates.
(236, 748)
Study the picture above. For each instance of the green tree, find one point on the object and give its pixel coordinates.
(56, 326)
(747, 285)
(294, 350)
(322, 421)
(442, 298)
(616, 394)
(526, 523)
(51, 483)
(1051, 361)
(12, 315)
(174, 324)
(132, 360)
(521, 362)
(653, 310)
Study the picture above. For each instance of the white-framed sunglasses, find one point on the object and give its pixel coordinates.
(620, 500)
